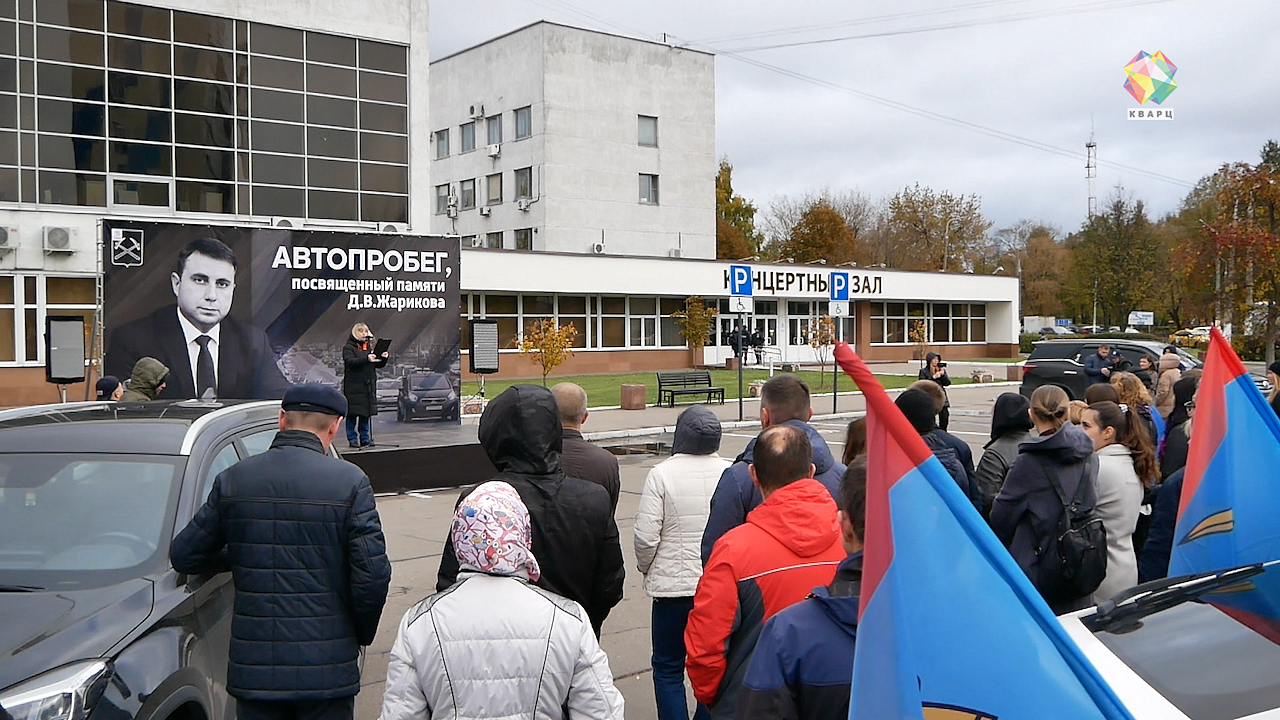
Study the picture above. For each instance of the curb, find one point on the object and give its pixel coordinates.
(735, 424)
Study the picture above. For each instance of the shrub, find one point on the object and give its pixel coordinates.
(1025, 341)
(1250, 347)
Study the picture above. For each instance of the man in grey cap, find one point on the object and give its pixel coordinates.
(301, 536)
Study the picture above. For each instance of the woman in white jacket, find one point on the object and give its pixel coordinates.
(1126, 461)
(668, 540)
(494, 645)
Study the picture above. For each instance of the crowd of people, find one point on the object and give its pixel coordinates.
(753, 565)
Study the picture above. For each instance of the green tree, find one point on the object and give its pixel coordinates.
(930, 230)
(1114, 259)
(735, 218)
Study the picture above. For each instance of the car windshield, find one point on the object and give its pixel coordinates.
(389, 384)
(430, 382)
(1212, 655)
(68, 519)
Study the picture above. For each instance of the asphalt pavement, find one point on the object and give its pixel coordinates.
(416, 525)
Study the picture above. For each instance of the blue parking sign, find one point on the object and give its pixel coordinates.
(839, 286)
(740, 280)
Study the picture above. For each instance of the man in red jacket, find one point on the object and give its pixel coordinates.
(789, 544)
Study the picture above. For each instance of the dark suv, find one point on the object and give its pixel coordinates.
(1061, 362)
(94, 622)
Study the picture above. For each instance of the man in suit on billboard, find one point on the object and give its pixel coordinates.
(203, 347)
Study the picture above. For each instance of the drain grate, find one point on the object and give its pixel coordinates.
(656, 447)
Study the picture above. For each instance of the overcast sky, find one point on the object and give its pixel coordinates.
(1051, 79)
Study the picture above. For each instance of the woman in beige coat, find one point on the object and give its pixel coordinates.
(1170, 373)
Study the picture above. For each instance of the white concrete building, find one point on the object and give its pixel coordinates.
(206, 111)
(622, 309)
(553, 138)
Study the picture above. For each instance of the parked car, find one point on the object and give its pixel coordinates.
(94, 622)
(388, 393)
(1191, 337)
(1054, 330)
(1090, 329)
(1181, 648)
(427, 395)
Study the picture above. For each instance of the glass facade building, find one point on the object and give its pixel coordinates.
(129, 107)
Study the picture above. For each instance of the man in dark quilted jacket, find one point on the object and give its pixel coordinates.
(301, 536)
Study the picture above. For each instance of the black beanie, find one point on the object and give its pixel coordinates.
(919, 408)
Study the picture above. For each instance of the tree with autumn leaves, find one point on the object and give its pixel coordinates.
(548, 343)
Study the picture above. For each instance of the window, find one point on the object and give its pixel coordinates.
(524, 122)
(442, 199)
(643, 322)
(467, 193)
(572, 310)
(505, 309)
(225, 458)
(120, 88)
(493, 240)
(494, 126)
(613, 322)
(25, 300)
(648, 189)
(524, 183)
(494, 183)
(468, 137)
(524, 239)
(668, 328)
(259, 442)
(888, 323)
(957, 322)
(647, 134)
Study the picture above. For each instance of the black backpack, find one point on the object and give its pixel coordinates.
(1073, 561)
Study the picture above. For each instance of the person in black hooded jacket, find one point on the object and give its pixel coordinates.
(1010, 427)
(575, 537)
(936, 370)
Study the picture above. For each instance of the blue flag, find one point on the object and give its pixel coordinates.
(949, 625)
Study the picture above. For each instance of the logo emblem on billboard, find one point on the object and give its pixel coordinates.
(126, 247)
(1150, 77)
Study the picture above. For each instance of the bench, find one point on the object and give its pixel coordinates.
(687, 382)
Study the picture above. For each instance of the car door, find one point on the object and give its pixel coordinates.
(215, 595)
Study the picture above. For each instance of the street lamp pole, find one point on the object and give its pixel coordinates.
(946, 240)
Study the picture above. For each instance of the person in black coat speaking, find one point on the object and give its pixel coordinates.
(360, 385)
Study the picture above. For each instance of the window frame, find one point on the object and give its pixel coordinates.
(490, 199)
(640, 134)
(465, 186)
(493, 127)
(649, 182)
(523, 115)
(466, 130)
(442, 143)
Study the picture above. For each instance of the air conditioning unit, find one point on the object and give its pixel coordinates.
(597, 248)
(8, 239)
(59, 240)
(452, 201)
(486, 211)
(396, 228)
(452, 211)
(476, 111)
(676, 252)
(494, 150)
(286, 223)
(477, 241)
(523, 204)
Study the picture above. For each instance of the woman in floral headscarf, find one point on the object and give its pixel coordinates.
(494, 644)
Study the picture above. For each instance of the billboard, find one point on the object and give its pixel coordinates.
(250, 310)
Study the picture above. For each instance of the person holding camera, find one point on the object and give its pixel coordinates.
(936, 370)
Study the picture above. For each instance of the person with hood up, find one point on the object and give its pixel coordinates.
(784, 400)
(575, 538)
(1026, 513)
(148, 379)
(1173, 453)
(1170, 374)
(803, 664)
(668, 531)
(495, 644)
(788, 545)
(1010, 427)
(936, 371)
(919, 407)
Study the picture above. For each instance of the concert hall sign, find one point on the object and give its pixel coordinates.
(270, 307)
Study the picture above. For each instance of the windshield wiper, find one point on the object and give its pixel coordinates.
(20, 588)
(1116, 616)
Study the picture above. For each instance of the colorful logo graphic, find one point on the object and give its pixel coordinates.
(1150, 77)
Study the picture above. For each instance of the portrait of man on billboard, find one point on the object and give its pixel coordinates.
(206, 351)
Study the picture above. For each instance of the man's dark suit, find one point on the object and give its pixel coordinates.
(246, 363)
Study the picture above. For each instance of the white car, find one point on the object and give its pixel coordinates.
(1168, 652)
